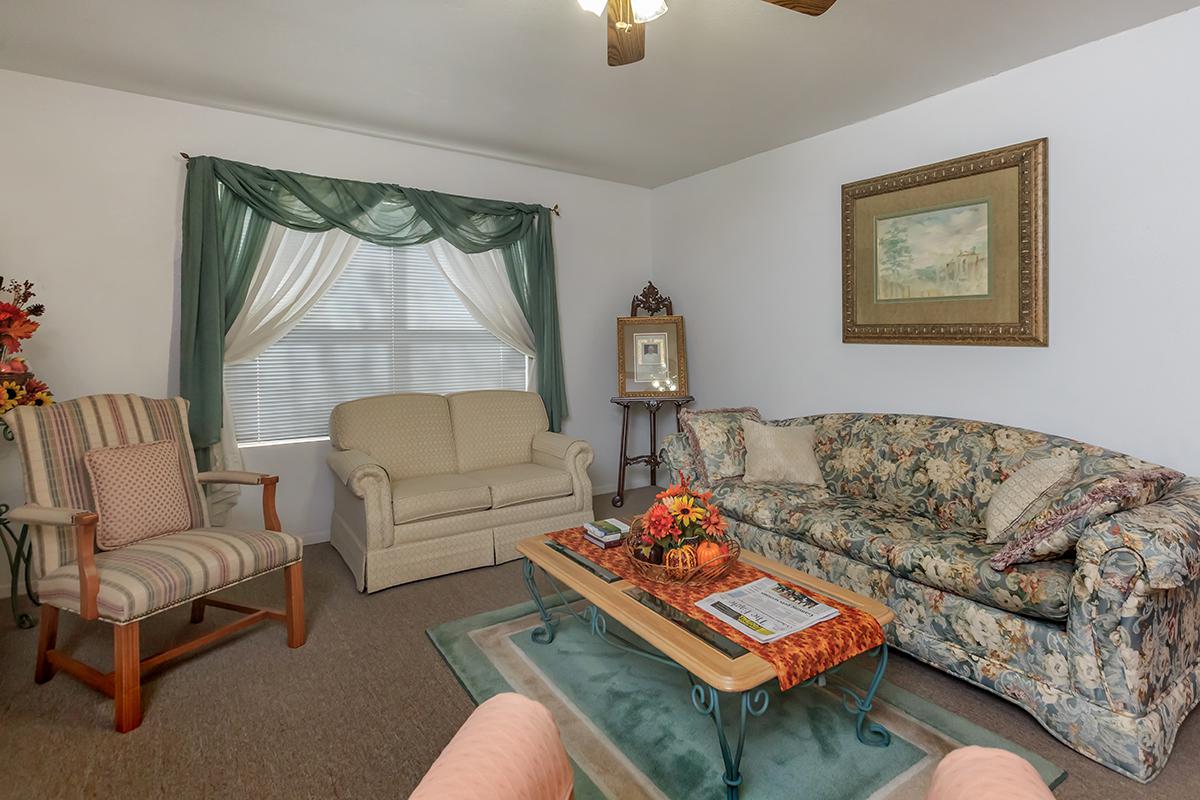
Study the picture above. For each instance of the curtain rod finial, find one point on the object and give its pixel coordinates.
(555, 210)
(186, 157)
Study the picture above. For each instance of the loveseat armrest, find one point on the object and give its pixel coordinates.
(240, 477)
(353, 466)
(51, 515)
(1164, 536)
(676, 457)
(556, 445)
(84, 523)
(571, 455)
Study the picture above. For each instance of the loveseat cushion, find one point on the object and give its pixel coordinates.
(436, 496)
(154, 575)
(407, 434)
(886, 536)
(522, 483)
(493, 428)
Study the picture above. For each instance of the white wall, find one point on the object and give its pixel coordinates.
(751, 254)
(91, 186)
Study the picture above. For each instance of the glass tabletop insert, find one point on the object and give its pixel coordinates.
(693, 626)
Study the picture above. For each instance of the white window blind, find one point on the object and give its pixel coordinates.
(390, 323)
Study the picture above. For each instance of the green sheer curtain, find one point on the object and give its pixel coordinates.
(228, 206)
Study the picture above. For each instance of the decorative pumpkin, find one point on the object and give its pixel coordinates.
(707, 551)
(680, 561)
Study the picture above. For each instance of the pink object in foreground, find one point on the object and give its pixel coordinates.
(508, 749)
(986, 773)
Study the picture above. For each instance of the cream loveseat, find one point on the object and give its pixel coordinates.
(1101, 644)
(429, 484)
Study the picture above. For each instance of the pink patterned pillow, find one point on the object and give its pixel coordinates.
(139, 492)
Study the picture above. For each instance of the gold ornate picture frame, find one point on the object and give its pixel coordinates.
(651, 357)
(949, 253)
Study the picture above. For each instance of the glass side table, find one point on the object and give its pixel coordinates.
(18, 550)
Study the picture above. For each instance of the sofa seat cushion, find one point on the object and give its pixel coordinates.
(773, 506)
(522, 483)
(436, 496)
(915, 547)
(957, 561)
(158, 573)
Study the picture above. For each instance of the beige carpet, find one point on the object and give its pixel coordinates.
(360, 711)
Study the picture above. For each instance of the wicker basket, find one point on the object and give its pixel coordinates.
(709, 571)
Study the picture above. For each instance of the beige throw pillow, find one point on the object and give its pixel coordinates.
(781, 454)
(139, 492)
(1028, 492)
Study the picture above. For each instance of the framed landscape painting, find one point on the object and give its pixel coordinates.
(950, 253)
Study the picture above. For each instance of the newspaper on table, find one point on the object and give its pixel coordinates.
(766, 610)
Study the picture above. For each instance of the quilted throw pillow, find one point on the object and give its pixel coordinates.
(1027, 493)
(718, 442)
(1054, 532)
(781, 454)
(139, 492)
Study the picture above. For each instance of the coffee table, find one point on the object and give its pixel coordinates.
(714, 664)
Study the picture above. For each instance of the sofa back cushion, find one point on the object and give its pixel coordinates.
(407, 434)
(942, 468)
(493, 428)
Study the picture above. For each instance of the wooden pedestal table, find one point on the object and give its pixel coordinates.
(652, 404)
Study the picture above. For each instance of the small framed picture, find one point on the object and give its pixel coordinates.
(651, 357)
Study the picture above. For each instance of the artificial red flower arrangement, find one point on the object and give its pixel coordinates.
(682, 531)
(18, 386)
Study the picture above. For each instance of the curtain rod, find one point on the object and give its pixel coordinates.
(554, 208)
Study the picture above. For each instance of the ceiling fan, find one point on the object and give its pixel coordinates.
(627, 22)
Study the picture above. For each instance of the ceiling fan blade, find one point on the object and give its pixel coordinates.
(813, 8)
(626, 38)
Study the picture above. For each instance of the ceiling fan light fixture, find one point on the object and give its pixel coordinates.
(595, 6)
(647, 10)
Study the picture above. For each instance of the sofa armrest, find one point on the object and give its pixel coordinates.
(571, 455)
(1133, 597)
(676, 457)
(1164, 536)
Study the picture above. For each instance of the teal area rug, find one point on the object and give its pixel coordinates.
(631, 730)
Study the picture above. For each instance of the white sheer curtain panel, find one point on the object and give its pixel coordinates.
(481, 281)
(295, 270)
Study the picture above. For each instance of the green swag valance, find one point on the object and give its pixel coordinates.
(228, 206)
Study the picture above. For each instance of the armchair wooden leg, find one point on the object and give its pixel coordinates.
(198, 610)
(293, 589)
(127, 678)
(47, 638)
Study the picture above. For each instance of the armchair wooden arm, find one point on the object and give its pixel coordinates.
(268, 482)
(84, 523)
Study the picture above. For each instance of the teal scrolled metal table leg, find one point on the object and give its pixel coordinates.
(19, 553)
(544, 634)
(869, 733)
(752, 703)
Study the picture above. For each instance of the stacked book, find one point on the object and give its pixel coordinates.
(605, 533)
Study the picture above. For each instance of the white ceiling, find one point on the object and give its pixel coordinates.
(527, 80)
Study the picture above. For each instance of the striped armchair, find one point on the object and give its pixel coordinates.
(127, 582)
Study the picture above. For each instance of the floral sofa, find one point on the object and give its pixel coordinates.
(1102, 646)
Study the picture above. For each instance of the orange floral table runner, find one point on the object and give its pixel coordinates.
(796, 658)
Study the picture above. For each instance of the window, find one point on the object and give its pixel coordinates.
(390, 323)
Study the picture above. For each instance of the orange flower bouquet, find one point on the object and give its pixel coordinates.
(18, 386)
(682, 538)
